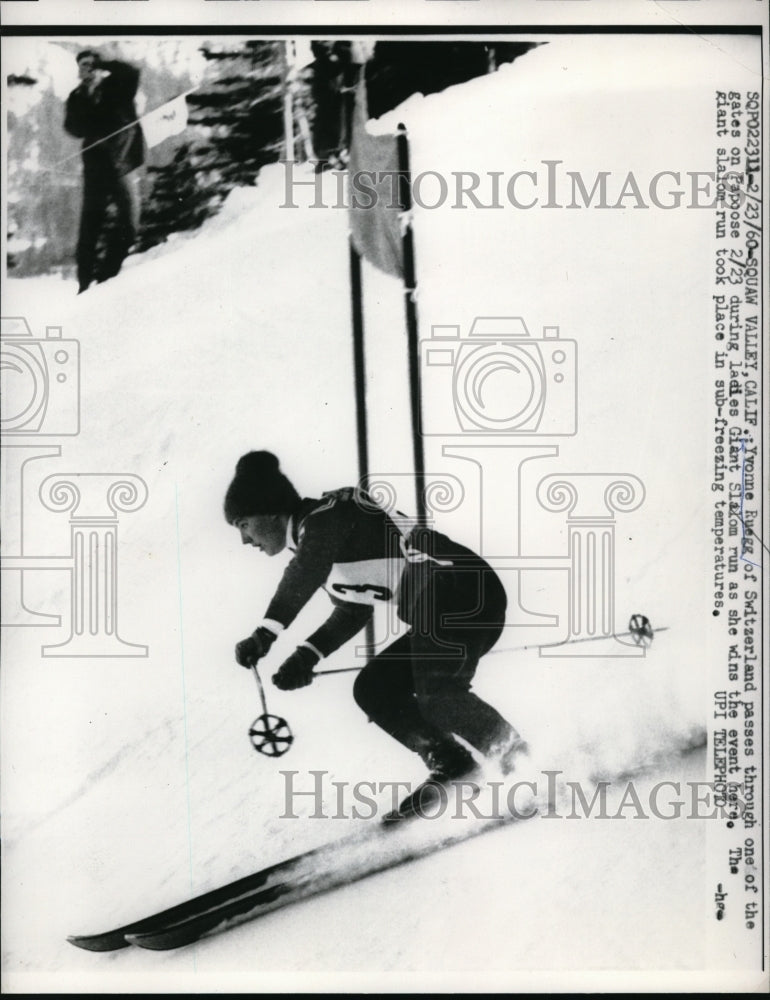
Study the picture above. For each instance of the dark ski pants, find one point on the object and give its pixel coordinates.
(418, 689)
(102, 186)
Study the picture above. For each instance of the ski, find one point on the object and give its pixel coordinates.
(310, 873)
(116, 939)
(329, 869)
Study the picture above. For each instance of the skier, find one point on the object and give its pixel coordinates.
(418, 689)
(101, 112)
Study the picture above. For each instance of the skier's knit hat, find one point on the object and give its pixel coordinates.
(259, 487)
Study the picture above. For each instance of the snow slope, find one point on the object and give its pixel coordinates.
(130, 783)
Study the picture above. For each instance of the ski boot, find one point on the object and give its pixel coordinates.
(449, 763)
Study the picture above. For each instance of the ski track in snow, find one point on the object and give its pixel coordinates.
(126, 754)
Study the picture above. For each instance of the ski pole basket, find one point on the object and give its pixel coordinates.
(269, 734)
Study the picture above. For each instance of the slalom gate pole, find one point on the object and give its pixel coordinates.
(359, 357)
(288, 109)
(410, 306)
(359, 360)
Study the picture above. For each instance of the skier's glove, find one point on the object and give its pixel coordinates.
(249, 651)
(297, 671)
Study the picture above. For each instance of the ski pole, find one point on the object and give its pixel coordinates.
(639, 629)
(117, 131)
(269, 734)
(260, 688)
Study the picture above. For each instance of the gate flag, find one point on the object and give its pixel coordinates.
(374, 192)
(167, 120)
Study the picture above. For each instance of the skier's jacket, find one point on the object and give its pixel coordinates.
(366, 557)
(108, 108)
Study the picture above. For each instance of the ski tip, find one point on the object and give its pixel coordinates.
(136, 939)
(98, 942)
(159, 941)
